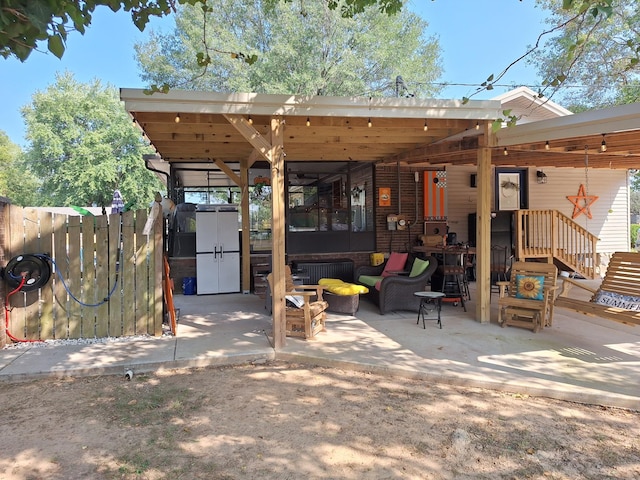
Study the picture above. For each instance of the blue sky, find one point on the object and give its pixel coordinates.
(477, 37)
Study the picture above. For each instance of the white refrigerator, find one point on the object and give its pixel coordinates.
(217, 250)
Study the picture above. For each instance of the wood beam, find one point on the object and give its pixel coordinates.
(230, 173)
(275, 156)
(483, 227)
(246, 227)
(252, 135)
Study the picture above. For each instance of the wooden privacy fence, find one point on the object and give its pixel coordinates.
(106, 276)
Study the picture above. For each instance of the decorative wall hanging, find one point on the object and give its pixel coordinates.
(384, 197)
(582, 202)
(435, 195)
(509, 188)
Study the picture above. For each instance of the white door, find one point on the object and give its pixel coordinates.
(207, 273)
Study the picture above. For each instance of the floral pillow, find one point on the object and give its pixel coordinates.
(530, 287)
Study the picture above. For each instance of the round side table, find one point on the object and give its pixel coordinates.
(426, 298)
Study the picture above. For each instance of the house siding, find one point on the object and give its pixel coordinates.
(610, 211)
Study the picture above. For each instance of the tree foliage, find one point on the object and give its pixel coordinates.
(315, 51)
(16, 182)
(594, 57)
(83, 146)
(24, 23)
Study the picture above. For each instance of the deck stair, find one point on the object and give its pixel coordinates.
(553, 237)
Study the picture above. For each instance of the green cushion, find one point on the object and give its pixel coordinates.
(419, 266)
(369, 280)
(530, 287)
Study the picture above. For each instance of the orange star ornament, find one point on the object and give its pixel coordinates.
(582, 202)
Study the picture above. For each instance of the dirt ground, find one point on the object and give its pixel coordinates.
(282, 421)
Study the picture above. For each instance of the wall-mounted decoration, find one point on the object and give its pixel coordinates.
(582, 202)
(509, 191)
(384, 196)
(435, 195)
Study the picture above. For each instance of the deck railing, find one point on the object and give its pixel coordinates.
(551, 234)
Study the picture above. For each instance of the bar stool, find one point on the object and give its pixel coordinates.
(426, 298)
(452, 271)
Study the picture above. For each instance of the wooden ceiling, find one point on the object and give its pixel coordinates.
(337, 129)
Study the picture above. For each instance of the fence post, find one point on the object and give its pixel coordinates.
(4, 204)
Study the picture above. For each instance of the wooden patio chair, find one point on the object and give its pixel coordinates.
(526, 300)
(305, 310)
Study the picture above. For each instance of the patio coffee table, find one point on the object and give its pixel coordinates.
(426, 298)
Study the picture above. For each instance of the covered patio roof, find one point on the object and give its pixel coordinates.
(337, 129)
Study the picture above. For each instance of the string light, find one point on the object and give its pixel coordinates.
(426, 127)
(603, 145)
(250, 120)
(547, 146)
(505, 152)
(177, 119)
(369, 124)
(477, 125)
(308, 122)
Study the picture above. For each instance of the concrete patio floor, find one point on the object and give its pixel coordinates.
(579, 358)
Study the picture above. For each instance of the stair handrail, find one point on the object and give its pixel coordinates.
(552, 234)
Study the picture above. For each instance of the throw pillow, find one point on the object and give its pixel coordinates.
(612, 299)
(395, 263)
(419, 266)
(530, 287)
(296, 301)
(369, 280)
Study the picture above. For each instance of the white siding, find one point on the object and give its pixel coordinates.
(610, 211)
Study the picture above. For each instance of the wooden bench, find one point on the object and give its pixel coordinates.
(621, 280)
(527, 312)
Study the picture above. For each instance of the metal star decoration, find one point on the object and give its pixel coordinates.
(582, 202)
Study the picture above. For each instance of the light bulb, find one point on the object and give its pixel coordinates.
(505, 152)
(546, 145)
(308, 122)
(603, 145)
(369, 124)
(477, 125)
(426, 127)
(250, 120)
(177, 119)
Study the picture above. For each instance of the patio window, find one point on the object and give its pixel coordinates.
(330, 207)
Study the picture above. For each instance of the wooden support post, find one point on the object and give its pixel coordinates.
(483, 227)
(276, 157)
(246, 228)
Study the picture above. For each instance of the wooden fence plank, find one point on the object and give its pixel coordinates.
(155, 277)
(75, 275)
(61, 299)
(128, 274)
(89, 296)
(46, 292)
(102, 275)
(32, 298)
(17, 313)
(115, 286)
(142, 275)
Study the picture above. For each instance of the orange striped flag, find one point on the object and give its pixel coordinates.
(435, 195)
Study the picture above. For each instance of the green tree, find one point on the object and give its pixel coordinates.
(24, 23)
(595, 54)
(314, 51)
(83, 145)
(16, 182)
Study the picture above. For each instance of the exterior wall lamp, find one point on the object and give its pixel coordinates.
(541, 176)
